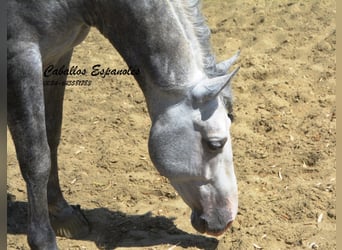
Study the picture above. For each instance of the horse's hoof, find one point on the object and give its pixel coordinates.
(73, 225)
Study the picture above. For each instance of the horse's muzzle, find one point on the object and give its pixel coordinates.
(213, 227)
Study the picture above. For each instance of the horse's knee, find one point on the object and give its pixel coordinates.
(41, 170)
(35, 168)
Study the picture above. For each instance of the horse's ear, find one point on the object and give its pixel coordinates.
(210, 88)
(223, 67)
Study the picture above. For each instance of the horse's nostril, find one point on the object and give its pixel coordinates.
(204, 223)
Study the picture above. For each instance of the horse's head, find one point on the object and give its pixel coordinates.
(190, 144)
(185, 92)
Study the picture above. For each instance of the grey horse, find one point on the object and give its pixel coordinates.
(187, 93)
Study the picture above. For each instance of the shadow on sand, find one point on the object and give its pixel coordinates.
(111, 229)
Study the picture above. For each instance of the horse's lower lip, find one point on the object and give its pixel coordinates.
(198, 223)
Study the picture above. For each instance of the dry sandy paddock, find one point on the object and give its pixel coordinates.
(284, 140)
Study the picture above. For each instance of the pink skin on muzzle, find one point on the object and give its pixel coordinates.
(214, 222)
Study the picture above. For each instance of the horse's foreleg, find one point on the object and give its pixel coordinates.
(26, 121)
(67, 221)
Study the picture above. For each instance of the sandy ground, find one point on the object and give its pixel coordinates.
(284, 140)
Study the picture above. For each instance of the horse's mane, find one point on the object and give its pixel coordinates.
(202, 32)
(193, 12)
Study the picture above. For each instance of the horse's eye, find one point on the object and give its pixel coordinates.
(216, 144)
(231, 117)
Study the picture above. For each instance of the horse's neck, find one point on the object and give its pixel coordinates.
(156, 37)
(151, 35)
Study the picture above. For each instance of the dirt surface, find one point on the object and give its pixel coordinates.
(284, 140)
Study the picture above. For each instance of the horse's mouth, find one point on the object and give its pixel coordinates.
(202, 226)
